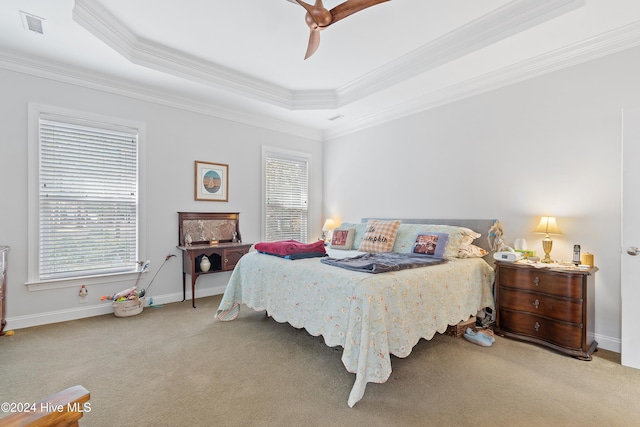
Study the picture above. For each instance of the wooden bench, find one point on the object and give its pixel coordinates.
(62, 409)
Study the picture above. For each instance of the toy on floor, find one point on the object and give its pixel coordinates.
(133, 293)
(122, 295)
(167, 258)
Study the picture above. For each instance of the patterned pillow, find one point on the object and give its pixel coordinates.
(430, 244)
(471, 251)
(407, 234)
(360, 228)
(343, 238)
(470, 236)
(379, 236)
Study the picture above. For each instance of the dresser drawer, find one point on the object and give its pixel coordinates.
(564, 334)
(565, 285)
(564, 309)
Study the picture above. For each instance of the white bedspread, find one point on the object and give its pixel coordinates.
(370, 315)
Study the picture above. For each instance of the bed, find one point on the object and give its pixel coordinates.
(371, 316)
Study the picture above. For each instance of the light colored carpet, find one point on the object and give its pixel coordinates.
(175, 366)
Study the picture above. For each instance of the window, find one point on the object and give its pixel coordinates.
(87, 198)
(286, 190)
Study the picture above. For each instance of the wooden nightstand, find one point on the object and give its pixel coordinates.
(550, 307)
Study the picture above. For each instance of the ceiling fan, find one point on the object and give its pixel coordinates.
(318, 17)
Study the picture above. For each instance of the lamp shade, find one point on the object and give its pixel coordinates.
(547, 226)
(329, 225)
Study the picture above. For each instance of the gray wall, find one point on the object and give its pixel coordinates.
(175, 139)
(546, 146)
(549, 145)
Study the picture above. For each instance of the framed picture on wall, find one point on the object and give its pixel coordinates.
(211, 181)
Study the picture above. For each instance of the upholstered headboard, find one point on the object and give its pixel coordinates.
(481, 226)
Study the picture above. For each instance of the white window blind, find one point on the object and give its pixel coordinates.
(88, 199)
(286, 197)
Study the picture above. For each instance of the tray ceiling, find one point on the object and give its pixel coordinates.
(245, 61)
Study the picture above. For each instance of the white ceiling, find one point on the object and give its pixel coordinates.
(244, 60)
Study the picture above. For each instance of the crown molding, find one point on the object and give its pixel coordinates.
(608, 43)
(605, 44)
(92, 80)
(96, 19)
(502, 23)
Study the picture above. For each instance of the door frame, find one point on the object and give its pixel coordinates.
(630, 236)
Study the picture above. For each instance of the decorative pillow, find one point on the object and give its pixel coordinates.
(360, 228)
(430, 244)
(469, 237)
(471, 251)
(343, 238)
(379, 236)
(407, 234)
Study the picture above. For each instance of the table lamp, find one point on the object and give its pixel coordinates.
(327, 230)
(547, 227)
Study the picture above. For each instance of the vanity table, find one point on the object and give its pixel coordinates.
(214, 235)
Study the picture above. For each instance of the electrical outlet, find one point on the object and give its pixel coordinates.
(83, 299)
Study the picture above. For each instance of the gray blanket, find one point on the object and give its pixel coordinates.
(383, 262)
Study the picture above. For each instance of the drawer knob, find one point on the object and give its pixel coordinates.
(536, 281)
(536, 326)
(536, 303)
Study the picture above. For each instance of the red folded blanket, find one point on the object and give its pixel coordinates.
(289, 247)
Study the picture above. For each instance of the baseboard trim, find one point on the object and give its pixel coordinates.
(21, 322)
(608, 343)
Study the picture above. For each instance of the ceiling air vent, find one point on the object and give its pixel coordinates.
(32, 22)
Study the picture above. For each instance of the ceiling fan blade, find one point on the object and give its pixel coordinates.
(350, 7)
(314, 42)
(306, 5)
(318, 14)
(311, 10)
(318, 17)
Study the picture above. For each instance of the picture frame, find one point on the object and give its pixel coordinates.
(211, 181)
